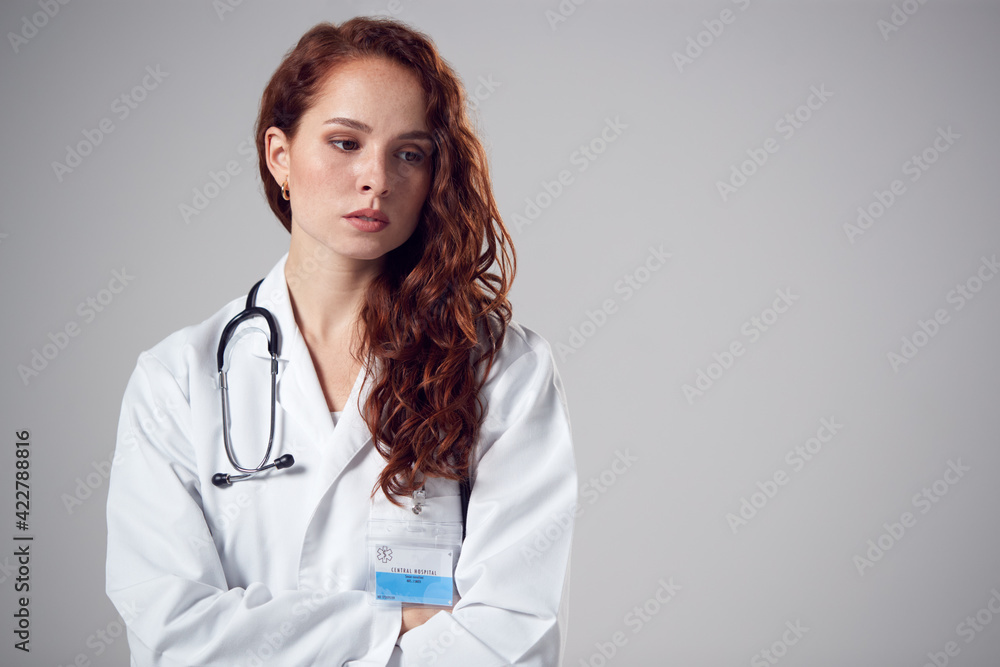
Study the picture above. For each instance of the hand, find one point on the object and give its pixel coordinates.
(417, 616)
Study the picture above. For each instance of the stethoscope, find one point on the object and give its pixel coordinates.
(221, 479)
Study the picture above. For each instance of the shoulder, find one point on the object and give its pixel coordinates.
(193, 350)
(521, 345)
(524, 370)
(521, 340)
(189, 351)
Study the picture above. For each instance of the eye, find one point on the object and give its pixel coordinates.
(353, 144)
(413, 157)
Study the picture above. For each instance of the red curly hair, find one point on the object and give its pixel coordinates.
(437, 315)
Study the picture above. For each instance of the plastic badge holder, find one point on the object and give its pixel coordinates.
(412, 562)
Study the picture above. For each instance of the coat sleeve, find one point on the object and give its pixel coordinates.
(165, 576)
(514, 561)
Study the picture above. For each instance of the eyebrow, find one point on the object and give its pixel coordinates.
(364, 127)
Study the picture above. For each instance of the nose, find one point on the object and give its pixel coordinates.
(373, 178)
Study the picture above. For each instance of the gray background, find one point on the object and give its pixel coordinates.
(665, 516)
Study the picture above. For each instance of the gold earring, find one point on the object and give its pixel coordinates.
(284, 190)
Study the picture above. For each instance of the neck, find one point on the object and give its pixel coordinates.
(326, 291)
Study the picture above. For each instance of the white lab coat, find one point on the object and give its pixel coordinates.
(274, 567)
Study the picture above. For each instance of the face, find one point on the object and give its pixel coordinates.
(364, 144)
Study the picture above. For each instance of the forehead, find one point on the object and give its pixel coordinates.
(376, 91)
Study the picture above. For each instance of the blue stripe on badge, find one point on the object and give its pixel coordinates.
(413, 588)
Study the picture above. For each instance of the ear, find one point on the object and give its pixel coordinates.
(277, 150)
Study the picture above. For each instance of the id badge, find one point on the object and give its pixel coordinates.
(412, 562)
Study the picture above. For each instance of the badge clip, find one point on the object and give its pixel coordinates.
(419, 496)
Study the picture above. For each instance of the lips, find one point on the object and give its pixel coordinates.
(367, 220)
(369, 215)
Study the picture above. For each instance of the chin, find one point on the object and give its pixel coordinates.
(366, 251)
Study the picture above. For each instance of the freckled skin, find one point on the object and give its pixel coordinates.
(333, 169)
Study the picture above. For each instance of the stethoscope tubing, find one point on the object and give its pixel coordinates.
(222, 359)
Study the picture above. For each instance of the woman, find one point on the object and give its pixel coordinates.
(400, 373)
